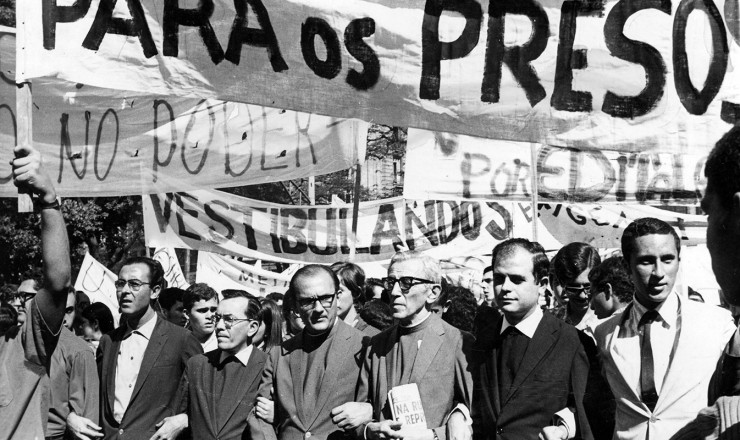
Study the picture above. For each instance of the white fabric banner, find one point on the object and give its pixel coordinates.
(224, 272)
(447, 166)
(101, 142)
(615, 74)
(99, 284)
(172, 271)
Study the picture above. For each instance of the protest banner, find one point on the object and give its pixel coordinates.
(614, 74)
(455, 167)
(101, 142)
(172, 271)
(218, 222)
(225, 272)
(99, 284)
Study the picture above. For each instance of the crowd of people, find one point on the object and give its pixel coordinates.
(562, 348)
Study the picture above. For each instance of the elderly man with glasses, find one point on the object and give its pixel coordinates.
(312, 377)
(420, 352)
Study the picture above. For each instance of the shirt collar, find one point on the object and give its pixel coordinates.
(527, 325)
(242, 355)
(668, 310)
(145, 330)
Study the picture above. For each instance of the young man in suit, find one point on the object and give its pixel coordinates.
(26, 349)
(420, 349)
(531, 368)
(141, 362)
(659, 354)
(312, 377)
(218, 388)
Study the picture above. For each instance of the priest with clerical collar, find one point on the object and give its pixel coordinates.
(420, 349)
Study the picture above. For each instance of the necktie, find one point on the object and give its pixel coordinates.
(647, 368)
(513, 346)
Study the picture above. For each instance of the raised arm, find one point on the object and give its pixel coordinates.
(29, 174)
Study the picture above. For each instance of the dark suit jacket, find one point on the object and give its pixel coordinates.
(159, 376)
(284, 374)
(440, 371)
(234, 404)
(552, 376)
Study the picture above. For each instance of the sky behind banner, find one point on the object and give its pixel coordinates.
(627, 76)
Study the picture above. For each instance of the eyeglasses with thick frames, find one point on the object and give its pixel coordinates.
(135, 285)
(308, 304)
(578, 289)
(229, 321)
(406, 283)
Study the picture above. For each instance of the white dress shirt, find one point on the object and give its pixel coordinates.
(210, 344)
(128, 364)
(662, 340)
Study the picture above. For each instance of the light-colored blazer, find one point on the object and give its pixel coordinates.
(705, 329)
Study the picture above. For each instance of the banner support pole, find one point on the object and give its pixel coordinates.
(533, 174)
(355, 212)
(24, 108)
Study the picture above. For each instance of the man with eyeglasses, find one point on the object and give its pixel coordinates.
(312, 377)
(26, 292)
(659, 354)
(420, 349)
(26, 350)
(141, 362)
(218, 388)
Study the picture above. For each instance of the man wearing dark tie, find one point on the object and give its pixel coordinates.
(141, 362)
(312, 377)
(218, 388)
(420, 350)
(659, 354)
(530, 367)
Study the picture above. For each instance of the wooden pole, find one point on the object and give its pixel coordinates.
(533, 174)
(24, 118)
(355, 212)
(311, 190)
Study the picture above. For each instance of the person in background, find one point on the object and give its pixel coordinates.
(570, 269)
(374, 289)
(459, 308)
(486, 285)
(352, 296)
(74, 405)
(377, 313)
(81, 302)
(26, 350)
(270, 332)
(171, 306)
(200, 303)
(277, 297)
(611, 287)
(96, 320)
(292, 319)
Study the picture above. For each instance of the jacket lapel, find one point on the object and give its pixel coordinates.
(540, 345)
(390, 358)
(110, 365)
(297, 375)
(151, 354)
(430, 345)
(675, 383)
(234, 395)
(209, 389)
(339, 351)
(618, 362)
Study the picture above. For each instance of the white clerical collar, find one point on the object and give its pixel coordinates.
(668, 310)
(242, 355)
(145, 330)
(527, 325)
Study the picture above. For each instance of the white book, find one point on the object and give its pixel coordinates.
(405, 402)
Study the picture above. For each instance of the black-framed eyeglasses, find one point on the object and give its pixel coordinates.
(578, 289)
(229, 321)
(135, 285)
(308, 304)
(24, 296)
(406, 283)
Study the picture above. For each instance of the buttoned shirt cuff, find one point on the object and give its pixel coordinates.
(566, 418)
(464, 411)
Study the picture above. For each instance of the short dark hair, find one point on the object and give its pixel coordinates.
(377, 313)
(572, 259)
(540, 263)
(463, 306)
(288, 307)
(100, 315)
(156, 272)
(642, 227)
(722, 168)
(197, 292)
(169, 296)
(613, 270)
(253, 305)
(8, 317)
(275, 296)
(310, 271)
(353, 278)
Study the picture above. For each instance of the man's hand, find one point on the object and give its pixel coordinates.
(170, 427)
(352, 414)
(27, 173)
(265, 409)
(554, 433)
(457, 428)
(386, 429)
(83, 428)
